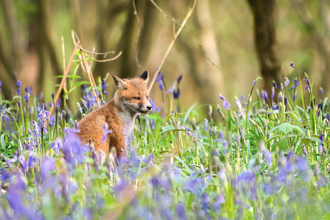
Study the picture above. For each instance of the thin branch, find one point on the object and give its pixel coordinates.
(172, 43)
(138, 36)
(111, 59)
(90, 77)
(63, 55)
(63, 81)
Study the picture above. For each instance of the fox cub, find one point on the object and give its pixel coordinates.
(131, 97)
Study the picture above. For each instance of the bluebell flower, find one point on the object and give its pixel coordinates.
(273, 93)
(179, 79)
(160, 77)
(287, 81)
(18, 91)
(275, 85)
(181, 211)
(104, 87)
(152, 124)
(292, 65)
(322, 138)
(294, 96)
(321, 91)
(296, 82)
(226, 104)
(161, 86)
(281, 86)
(171, 89)
(18, 83)
(105, 132)
(176, 93)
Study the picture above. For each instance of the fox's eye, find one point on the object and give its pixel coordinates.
(147, 97)
(137, 98)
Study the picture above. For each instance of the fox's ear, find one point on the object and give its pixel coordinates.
(145, 76)
(119, 82)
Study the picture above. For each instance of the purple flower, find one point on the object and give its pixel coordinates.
(226, 104)
(18, 83)
(296, 82)
(292, 65)
(105, 132)
(179, 79)
(287, 81)
(161, 86)
(264, 95)
(321, 91)
(181, 211)
(222, 97)
(176, 93)
(281, 86)
(294, 96)
(291, 88)
(104, 87)
(18, 91)
(275, 85)
(273, 93)
(171, 89)
(322, 138)
(160, 77)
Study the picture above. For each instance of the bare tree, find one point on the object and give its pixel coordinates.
(265, 41)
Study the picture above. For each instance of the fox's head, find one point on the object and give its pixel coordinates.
(133, 94)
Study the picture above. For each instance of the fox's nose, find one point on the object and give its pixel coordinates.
(149, 107)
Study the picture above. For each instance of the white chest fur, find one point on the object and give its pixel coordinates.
(128, 121)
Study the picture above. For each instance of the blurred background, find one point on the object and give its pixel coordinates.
(223, 47)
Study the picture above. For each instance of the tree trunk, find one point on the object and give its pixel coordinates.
(265, 41)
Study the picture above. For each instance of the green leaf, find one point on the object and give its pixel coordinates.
(77, 84)
(188, 113)
(167, 128)
(282, 144)
(286, 128)
(170, 128)
(309, 140)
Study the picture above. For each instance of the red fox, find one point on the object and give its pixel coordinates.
(131, 97)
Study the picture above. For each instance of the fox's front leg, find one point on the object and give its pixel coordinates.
(118, 142)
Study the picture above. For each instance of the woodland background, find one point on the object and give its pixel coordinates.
(216, 51)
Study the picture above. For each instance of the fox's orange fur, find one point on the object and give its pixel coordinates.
(131, 97)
